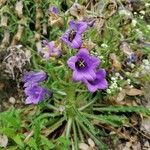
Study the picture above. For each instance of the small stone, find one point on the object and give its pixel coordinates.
(146, 144)
(3, 141)
(12, 100)
(91, 142)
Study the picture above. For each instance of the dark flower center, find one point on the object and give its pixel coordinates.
(81, 64)
(95, 82)
(72, 35)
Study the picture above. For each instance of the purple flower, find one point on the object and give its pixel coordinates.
(50, 50)
(131, 58)
(33, 77)
(53, 9)
(72, 36)
(36, 93)
(84, 65)
(98, 83)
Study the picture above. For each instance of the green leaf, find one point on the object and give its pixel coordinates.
(32, 143)
(136, 109)
(18, 140)
(46, 142)
(97, 141)
(62, 143)
(113, 120)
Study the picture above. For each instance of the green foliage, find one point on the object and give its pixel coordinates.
(70, 117)
(130, 109)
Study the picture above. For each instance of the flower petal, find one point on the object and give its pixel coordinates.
(71, 62)
(81, 27)
(33, 77)
(77, 42)
(102, 84)
(78, 76)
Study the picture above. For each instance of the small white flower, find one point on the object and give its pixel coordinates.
(132, 65)
(128, 81)
(117, 74)
(147, 67)
(141, 17)
(115, 85)
(147, 4)
(121, 77)
(111, 87)
(108, 91)
(104, 45)
(142, 12)
(136, 74)
(134, 22)
(127, 73)
(146, 62)
(120, 88)
(142, 66)
(113, 78)
(148, 27)
(101, 57)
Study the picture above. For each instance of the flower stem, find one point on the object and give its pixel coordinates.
(70, 101)
(68, 127)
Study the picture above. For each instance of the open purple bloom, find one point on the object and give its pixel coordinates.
(50, 50)
(33, 77)
(72, 37)
(36, 93)
(84, 65)
(53, 9)
(98, 83)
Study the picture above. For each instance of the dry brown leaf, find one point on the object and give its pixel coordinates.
(125, 47)
(115, 62)
(78, 11)
(83, 146)
(146, 124)
(133, 92)
(121, 95)
(2, 86)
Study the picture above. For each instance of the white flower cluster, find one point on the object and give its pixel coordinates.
(143, 69)
(114, 86)
(98, 55)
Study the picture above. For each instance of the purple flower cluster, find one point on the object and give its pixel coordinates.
(33, 91)
(83, 64)
(84, 68)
